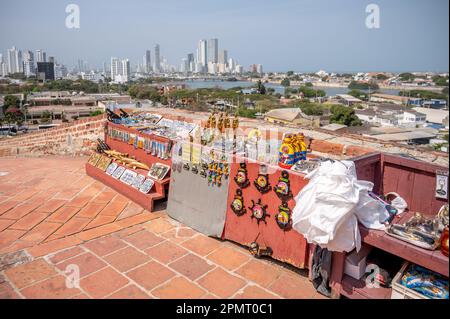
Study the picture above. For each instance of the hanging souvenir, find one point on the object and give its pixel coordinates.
(259, 211)
(283, 217)
(186, 166)
(194, 169)
(204, 170)
(241, 177)
(262, 181)
(237, 205)
(283, 187)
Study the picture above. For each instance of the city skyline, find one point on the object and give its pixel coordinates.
(308, 37)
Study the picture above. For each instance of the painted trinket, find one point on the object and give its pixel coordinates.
(241, 177)
(259, 252)
(283, 187)
(283, 217)
(286, 155)
(262, 181)
(259, 211)
(237, 205)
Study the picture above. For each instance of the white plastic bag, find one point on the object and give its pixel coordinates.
(327, 210)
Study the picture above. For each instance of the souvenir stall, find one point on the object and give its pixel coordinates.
(407, 259)
(135, 157)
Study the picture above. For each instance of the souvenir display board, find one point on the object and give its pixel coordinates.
(260, 200)
(199, 188)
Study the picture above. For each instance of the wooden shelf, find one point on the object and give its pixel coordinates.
(431, 259)
(145, 200)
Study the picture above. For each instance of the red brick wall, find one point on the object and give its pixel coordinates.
(76, 138)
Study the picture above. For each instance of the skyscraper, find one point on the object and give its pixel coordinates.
(213, 50)
(120, 70)
(28, 63)
(190, 62)
(223, 57)
(148, 61)
(46, 70)
(202, 53)
(14, 61)
(41, 56)
(157, 66)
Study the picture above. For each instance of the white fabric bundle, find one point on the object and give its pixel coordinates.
(328, 208)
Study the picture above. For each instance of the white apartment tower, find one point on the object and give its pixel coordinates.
(41, 56)
(202, 53)
(14, 61)
(28, 63)
(120, 70)
(157, 66)
(213, 50)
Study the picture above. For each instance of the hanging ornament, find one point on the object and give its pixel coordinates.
(204, 170)
(241, 177)
(194, 169)
(262, 181)
(283, 217)
(237, 205)
(259, 211)
(283, 187)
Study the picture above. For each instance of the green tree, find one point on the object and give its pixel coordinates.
(344, 115)
(10, 101)
(261, 88)
(440, 80)
(407, 77)
(285, 82)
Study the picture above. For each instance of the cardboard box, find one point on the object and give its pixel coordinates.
(355, 262)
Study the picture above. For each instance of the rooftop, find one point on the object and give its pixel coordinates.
(52, 215)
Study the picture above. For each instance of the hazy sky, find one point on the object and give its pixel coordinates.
(300, 35)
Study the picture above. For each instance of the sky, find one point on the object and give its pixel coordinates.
(282, 35)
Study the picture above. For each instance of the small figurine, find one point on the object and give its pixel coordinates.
(286, 155)
(258, 252)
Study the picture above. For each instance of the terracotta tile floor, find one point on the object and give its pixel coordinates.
(51, 228)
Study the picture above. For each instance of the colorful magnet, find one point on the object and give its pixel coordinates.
(241, 177)
(262, 181)
(283, 187)
(283, 217)
(237, 205)
(259, 211)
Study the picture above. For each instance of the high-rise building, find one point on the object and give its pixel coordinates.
(184, 67)
(3, 69)
(148, 61)
(202, 53)
(14, 61)
(28, 63)
(223, 56)
(120, 70)
(190, 62)
(157, 66)
(41, 56)
(213, 50)
(46, 71)
(259, 68)
(51, 59)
